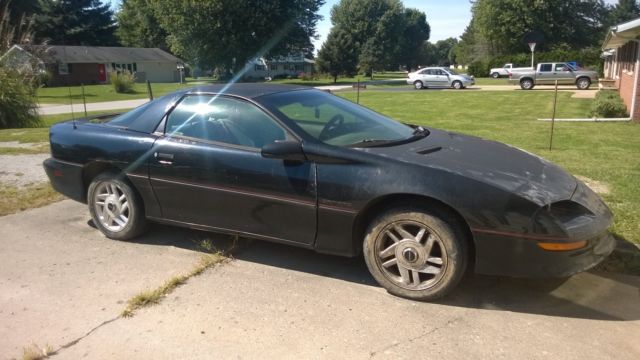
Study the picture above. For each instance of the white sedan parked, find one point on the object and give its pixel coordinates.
(439, 77)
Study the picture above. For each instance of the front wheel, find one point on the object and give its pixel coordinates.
(416, 254)
(418, 85)
(583, 84)
(457, 85)
(115, 208)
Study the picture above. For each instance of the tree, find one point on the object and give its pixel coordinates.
(76, 22)
(623, 11)
(139, 27)
(338, 54)
(228, 33)
(416, 33)
(384, 32)
(501, 24)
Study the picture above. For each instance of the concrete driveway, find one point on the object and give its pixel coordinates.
(63, 284)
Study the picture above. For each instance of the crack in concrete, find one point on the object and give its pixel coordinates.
(423, 335)
(73, 342)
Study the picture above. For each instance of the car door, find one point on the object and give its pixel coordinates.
(426, 77)
(207, 169)
(563, 74)
(545, 75)
(443, 78)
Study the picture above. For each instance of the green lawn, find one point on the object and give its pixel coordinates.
(100, 93)
(38, 136)
(606, 152)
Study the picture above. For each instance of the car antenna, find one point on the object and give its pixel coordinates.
(64, 57)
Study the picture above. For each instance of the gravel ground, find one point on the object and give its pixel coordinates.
(22, 170)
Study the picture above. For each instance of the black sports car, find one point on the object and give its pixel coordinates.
(307, 168)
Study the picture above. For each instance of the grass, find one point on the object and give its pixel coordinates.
(606, 152)
(101, 93)
(106, 92)
(39, 136)
(34, 352)
(154, 296)
(15, 199)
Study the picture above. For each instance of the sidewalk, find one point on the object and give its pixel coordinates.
(49, 109)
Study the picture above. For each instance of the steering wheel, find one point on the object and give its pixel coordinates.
(334, 124)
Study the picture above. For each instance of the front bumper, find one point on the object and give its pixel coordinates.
(66, 178)
(520, 257)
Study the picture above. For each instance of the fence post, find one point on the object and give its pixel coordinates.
(84, 101)
(149, 90)
(553, 116)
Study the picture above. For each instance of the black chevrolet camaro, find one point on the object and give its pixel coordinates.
(307, 168)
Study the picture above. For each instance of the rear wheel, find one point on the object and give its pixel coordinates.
(495, 75)
(418, 85)
(416, 254)
(583, 83)
(526, 84)
(115, 208)
(457, 85)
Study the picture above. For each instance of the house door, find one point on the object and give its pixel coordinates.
(102, 73)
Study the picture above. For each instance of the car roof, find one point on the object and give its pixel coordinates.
(246, 90)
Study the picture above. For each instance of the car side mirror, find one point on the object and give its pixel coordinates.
(285, 150)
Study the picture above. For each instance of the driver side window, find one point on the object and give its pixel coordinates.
(225, 120)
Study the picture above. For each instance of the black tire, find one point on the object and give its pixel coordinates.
(418, 85)
(448, 242)
(495, 75)
(527, 84)
(583, 83)
(457, 85)
(136, 222)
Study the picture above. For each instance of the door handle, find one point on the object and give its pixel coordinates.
(164, 158)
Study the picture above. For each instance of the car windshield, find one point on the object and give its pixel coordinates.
(335, 121)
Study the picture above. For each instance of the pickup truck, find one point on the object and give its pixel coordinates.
(548, 73)
(506, 70)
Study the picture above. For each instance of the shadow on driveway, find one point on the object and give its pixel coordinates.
(597, 295)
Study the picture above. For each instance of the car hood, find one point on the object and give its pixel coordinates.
(491, 162)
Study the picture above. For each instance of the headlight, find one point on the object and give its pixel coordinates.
(563, 217)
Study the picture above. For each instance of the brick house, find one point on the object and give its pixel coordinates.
(622, 64)
(75, 65)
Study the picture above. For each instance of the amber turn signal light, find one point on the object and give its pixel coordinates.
(562, 246)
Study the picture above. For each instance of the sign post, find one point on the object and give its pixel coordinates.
(532, 46)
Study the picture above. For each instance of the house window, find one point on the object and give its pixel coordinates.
(64, 69)
(273, 67)
(260, 67)
(298, 67)
(135, 67)
(113, 66)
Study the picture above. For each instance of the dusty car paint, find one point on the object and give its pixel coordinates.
(503, 195)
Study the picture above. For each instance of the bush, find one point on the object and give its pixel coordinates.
(479, 69)
(18, 106)
(608, 104)
(306, 76)
(122, 82)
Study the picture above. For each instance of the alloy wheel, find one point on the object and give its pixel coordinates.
(111, 206)
(411, 255)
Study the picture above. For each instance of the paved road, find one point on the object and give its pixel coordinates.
(61, 283)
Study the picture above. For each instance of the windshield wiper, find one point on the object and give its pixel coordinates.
(371, 142)
(420, 131)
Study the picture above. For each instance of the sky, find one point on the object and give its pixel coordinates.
(447, 18)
